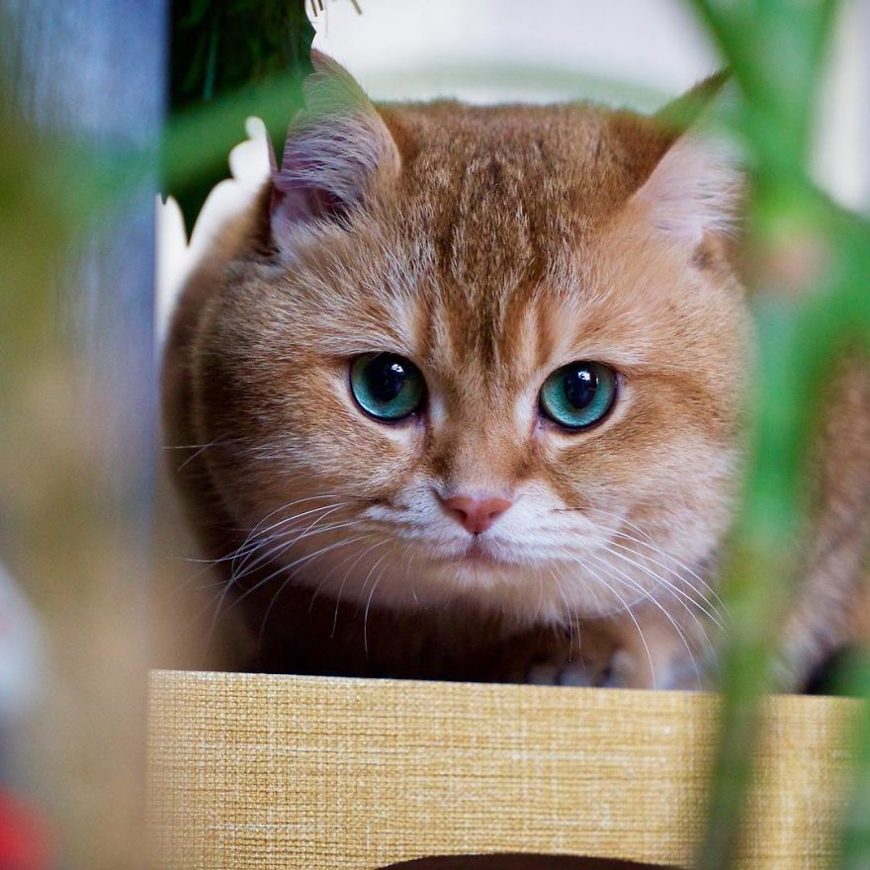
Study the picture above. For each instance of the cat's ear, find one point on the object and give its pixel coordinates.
(335, 147)
(695, 188)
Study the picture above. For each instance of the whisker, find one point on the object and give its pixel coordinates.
(632, 584)
(410, 563)
(217, 611)
(300, 561)
(682, 566)
(240, 570)
(631, 616)
(406, 564)
(220, 442)
(290, 576)
(231, 582)
(258, 530)
(249, 540)
(623, 521)
(540, 593)
(369, 600)
(258, 527)
(344, 580)
(572, 622)
(200, 448)
(331, 571)
(673, 588)
(649, 543)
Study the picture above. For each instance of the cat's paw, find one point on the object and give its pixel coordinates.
(616, 672)
(686, 676)
(551, 674)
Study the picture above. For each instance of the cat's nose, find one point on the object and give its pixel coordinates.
(475, 514)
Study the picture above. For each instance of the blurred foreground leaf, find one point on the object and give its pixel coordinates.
(811, 268)
(230, 48)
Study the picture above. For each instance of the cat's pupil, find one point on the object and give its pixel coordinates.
(580, 385)
(386, 376)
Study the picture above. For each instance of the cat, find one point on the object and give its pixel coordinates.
(462, 396)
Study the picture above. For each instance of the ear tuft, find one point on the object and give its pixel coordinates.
(696, 187)
(694, 190)
(336, 145)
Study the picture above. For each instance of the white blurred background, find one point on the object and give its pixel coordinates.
(632, 52)
(636, 53)
(413, 49)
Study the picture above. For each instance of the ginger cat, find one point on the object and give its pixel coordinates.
(461, 397)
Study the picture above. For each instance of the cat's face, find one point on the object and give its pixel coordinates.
(504, 373)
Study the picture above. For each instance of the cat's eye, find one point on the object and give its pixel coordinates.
(579, 394)
(387, 386)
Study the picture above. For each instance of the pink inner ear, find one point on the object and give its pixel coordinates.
(297, 203)
(304, 188)
(335, 147)
(693, 190)
(326, 169)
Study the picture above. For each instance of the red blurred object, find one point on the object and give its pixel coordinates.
(23, 837)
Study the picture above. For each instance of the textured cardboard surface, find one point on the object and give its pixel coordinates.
(250, 771)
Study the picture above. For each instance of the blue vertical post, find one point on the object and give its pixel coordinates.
(93, 73)
(95, 70)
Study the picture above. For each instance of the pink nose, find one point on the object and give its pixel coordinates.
(475, 514)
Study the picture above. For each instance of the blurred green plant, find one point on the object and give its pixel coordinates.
(248, 51)
(777, 52)
(57, 536)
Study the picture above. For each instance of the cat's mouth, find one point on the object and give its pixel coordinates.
(478, 553)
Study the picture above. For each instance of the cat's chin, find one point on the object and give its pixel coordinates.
(477, 554)
(506, 581)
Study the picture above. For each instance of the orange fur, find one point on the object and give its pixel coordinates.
(490, 246)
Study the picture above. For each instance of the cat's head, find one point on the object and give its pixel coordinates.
(495, 354)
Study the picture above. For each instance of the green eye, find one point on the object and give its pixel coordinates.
(387, 386)
(578, 394)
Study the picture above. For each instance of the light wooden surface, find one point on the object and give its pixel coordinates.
(250, 771)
